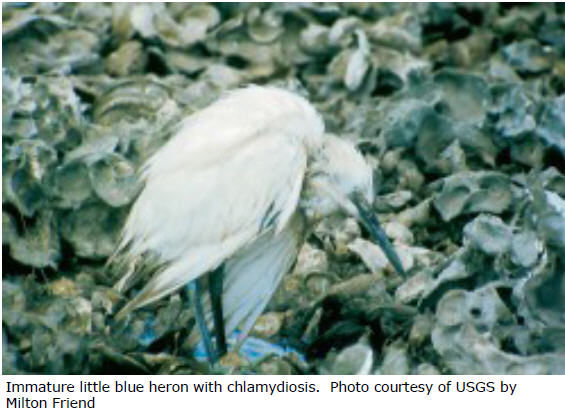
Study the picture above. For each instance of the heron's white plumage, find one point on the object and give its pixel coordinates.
(237, 185)
(202, 202)
(240, 118)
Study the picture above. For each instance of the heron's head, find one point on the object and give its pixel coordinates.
(339, 180)
(337, 177)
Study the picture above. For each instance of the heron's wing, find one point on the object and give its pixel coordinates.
(240, 118)
(194, 219)
(252, 276)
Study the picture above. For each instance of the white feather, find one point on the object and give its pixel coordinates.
(202, 201)
(253, 274)
(226, 189)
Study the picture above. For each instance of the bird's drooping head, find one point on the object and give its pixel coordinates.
(337, 175)
(339, 180)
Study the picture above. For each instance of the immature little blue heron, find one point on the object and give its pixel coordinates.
(230, 198)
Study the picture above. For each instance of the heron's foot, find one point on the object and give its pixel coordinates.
(252, 349)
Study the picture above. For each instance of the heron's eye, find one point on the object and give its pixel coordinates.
(314, 174)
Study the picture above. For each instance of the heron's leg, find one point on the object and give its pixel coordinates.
(194, 293)
(216, 288)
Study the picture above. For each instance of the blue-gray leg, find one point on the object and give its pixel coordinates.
(194, 293)
(216, 288)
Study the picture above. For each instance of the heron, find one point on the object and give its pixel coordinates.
(228, 201)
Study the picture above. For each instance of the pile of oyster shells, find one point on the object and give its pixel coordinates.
(460, 109)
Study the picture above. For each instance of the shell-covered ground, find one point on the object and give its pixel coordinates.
(459, 108)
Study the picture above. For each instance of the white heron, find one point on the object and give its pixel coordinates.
(228, 200)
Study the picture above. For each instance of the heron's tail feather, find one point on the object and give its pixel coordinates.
(167, 280)
(148, 294)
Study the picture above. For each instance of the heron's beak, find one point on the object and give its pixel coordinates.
(369, 220)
